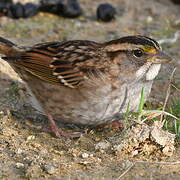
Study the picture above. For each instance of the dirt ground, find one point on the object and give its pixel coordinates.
(27, 152)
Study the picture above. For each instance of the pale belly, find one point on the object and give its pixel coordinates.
(80, 106)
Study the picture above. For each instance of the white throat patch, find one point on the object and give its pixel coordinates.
(142, 70)
(148, 69)
(153, 71)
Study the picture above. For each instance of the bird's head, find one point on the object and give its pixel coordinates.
(143, 53)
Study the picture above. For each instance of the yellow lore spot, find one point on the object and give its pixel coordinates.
(149, 49)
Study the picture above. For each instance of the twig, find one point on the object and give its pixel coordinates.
(147, 162)
(159, 162)
(175, 87)
(126, 171)
(155, 113)
(167, 94)
(170, 40)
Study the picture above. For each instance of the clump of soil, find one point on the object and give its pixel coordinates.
(151, 141)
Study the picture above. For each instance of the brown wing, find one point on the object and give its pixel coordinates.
(60, 62)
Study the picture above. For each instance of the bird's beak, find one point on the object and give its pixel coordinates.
(160, 58)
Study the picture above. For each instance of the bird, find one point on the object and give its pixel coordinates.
(85, 82)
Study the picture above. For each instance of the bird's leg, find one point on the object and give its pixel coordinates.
(115, 125)
(59, 132)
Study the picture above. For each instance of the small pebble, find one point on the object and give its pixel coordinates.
(19, 165)
(4, 119)
(43, 152)
(30, 138)
(105, 12)
(85, 155)
(149, 19)
(78, 23)
(84, 162)
(134, 153)
(9, 132)
(118, 148)
(102, 145)
(1, 113)
(19, 151)
(50, 169)
(91, 155)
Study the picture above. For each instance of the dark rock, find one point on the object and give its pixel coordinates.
(176, 1)
(30, 10)
(6, 2)
(65, 8)
(71, 9)
(16, 11)
(19, 10)
(106, 12)
(49, 5)
(4, 6)
(3, 10)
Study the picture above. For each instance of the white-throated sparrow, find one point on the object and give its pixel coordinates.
(84, 82)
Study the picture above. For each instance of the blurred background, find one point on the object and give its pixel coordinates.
(27, 22)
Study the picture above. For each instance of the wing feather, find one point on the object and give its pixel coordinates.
(64, 63)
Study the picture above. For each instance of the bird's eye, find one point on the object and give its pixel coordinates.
(138, 53)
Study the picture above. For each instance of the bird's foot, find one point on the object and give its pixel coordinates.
(59, 132)
(115, 125)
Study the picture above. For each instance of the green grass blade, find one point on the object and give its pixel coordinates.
(142, 101)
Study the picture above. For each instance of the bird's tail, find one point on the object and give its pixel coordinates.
(8, 48)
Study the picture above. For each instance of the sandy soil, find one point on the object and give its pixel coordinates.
(27, 152)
